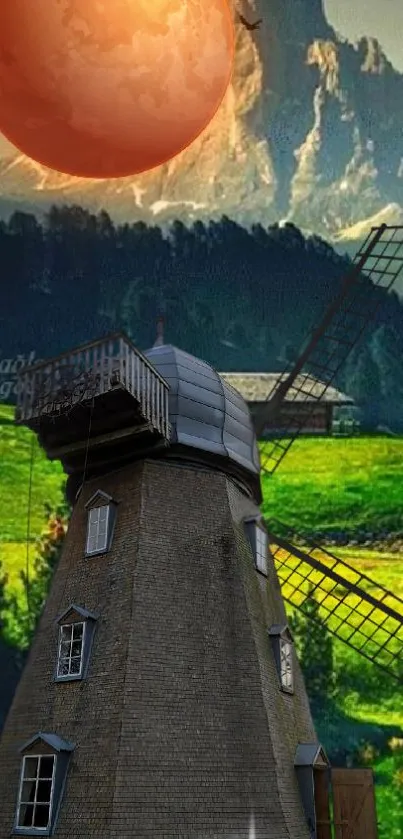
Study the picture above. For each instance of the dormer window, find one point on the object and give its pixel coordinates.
(43, 774)
(257, 536)
(286, 668)
(37, 787)
(312, 770)
(76, 629)
(97, 535)
(71, 646)
(282, 644)
(101, 518)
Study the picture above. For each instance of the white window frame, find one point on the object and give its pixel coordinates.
(70, 676)
(94, 521)
(286, 664)
(32, 830)
(261, 549)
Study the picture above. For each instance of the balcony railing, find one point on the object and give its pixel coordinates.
(54, 387)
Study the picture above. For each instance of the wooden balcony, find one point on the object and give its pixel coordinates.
(94, 403)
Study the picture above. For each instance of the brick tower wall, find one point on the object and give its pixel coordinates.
(180, 727)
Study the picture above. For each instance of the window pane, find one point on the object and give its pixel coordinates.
(94, 515)
(46, 766)
(75, 665)
(78, 630)
(76, 649)
(103, 513)
(26, 815)
(30, 767)
(101, 542)
(65, 648)
(102, 528)
(285, 649)
(28, 791)
(64, 667)
(41, 816)
(66, 632)
(43, 792)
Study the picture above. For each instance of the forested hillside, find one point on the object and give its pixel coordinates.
(242, 300)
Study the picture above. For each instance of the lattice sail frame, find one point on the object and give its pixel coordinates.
(371, 624)
(379, 260)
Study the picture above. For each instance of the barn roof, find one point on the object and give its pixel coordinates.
(255, 387)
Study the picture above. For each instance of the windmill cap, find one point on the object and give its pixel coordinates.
(205, 412)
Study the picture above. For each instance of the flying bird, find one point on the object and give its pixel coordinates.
(250, 26)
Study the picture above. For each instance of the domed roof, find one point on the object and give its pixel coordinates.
(205, 412)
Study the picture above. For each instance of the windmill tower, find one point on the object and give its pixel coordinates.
(162, 696)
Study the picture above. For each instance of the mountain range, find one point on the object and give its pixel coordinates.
(310, 131)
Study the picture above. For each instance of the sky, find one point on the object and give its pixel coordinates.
(383, 19)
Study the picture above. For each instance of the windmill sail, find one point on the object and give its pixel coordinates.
(376, 266)
(357, 610)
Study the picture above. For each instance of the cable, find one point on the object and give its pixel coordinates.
(88, 440)
(27, 576)
(84, 476)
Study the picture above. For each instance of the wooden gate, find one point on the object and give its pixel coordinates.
(345, 808)
(353, 797)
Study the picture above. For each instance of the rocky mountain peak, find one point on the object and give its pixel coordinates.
(309, 131)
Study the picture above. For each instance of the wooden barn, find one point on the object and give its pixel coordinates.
(255, 388)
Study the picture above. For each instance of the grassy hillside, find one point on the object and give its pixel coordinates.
(334, 484)
(324, 485)
(18, 447)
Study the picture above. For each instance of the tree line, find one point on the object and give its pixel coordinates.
(241, 299)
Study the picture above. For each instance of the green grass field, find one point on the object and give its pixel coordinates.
(323, 485)
(329, 484)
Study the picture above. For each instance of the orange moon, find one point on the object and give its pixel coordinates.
(110, 88)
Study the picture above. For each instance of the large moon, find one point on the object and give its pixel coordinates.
(109, 88)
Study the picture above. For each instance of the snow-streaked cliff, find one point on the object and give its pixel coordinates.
(311, 130)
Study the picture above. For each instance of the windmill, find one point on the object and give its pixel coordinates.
(162, 694)
(146, 705)
(371, 624)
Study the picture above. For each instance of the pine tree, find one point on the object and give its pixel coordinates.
(364, 386)
(4, 599)
(387, 352)
(314, 645)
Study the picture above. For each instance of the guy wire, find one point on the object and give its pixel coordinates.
(88, 440)
(84, 474)
(29, 510)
